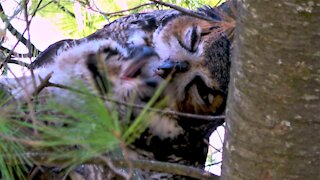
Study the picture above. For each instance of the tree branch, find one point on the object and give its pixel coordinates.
(114, 169)
(122, 11)
(64, 9)
(43, 83)
(15, 55)
(184, 11)
(21, 63)
(171, 168)
(15, 32)
(14, 61)
(19, 40)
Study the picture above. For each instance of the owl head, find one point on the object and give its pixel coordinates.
(123, 73)
(197, 58)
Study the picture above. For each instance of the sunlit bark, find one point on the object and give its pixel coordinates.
(273, 113)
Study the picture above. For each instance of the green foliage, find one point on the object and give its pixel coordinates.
(75, 133)
(12, 153)
(79, 18)
(70, 133)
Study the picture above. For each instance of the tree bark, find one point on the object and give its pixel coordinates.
(273, 111)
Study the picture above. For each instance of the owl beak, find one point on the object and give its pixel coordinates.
(142, 52)
(139, 56)
(170, 66)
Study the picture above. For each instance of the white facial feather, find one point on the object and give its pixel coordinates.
(67, 67)
(137, 38)
(171, 48)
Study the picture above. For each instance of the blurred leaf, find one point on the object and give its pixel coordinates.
(12, 160)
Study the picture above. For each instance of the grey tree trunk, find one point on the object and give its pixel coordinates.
(273, 111)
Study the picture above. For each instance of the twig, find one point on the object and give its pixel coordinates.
(43, 83)
(11, 52)
(19, 55)
(21, 63)
(226, 25)
(49, 84)
(26, 16)
(15, 54)
(30, 106)
(213, 164)
(219, 136)
(122, 11)
(206, 141)
(19, 39)
(28, 22)
(64, 9)
(34, 171)
(183, 10)
(113, 168)
(171, 168)
(124, 150)
(217, 3)
(14, 31)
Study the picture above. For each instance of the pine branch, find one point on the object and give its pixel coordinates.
(64, 9)
(11, 60)
(4, 49)
(15, 32)
(19, 40)
(21, 63)
(14, 55)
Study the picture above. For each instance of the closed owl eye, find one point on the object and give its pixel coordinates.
(192, 39)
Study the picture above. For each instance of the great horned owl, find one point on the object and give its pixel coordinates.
(197, 59)
(185, 48)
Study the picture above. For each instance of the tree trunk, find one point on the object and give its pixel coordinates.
(273, 111)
